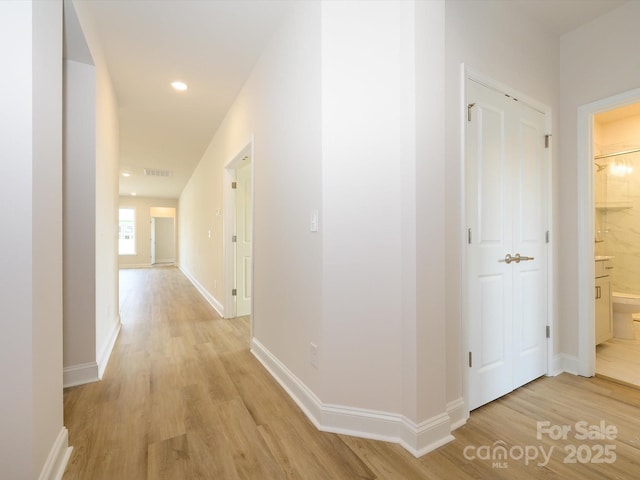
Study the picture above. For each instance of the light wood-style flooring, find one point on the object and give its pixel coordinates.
(619, 359)
(183, 398)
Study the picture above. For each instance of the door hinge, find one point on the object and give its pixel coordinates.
(547, 140)
(546, 236)
(548, 331)
(234, 238)
(234, 292)
(469, 236)
(469, 107)
(470, 360)
(234, 185)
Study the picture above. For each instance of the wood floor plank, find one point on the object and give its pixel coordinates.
(184, 398)
(211, 451)
(387, 461)
(215, 376)
(249, 378)
(170, 459)
(250, 453)
(297, 445)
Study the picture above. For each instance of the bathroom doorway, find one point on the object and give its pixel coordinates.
(607, 194)
(616, 185)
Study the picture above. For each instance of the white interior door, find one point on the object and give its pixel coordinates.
(506, 215)
(243, 240)
(152, 241)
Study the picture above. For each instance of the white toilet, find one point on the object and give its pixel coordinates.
(624, 306)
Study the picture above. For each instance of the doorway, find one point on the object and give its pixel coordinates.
(507, 240)
(162, 240)
(613, 147)
(590, 224)
(238, 234)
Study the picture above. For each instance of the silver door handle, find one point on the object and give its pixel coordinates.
(516, 258)
(519, 258)
(507, 258)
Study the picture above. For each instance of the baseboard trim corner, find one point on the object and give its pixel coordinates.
(105, 354)
(58, 458)
(420, 439)
(416, 438)
(80, 374)
(458, 413)
(563, 362)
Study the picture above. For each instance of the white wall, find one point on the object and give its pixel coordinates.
(280, 106)
(362, 180)
(79, 218)
(597, 61)
(496, 40)
(428, 330)
(32, 435)
(107, 157)
(331, 108)
(105, 228)
(362, 205)
(143, 206)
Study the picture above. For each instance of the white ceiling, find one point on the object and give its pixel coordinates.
(211, 45)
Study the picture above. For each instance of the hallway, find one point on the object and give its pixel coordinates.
(184, 398)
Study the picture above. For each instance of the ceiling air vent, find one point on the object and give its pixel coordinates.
(156, 172)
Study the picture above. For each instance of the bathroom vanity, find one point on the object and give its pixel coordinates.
(604, 313)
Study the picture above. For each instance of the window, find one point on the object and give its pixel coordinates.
(127, 232)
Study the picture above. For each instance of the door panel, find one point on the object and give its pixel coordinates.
(243, 240)
(492, 313)
(530, 277)
(490, 288)
(506, 204)
(490, 166)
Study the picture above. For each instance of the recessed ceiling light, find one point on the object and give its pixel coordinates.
(133, 194)
(180, 86)
(126, 174)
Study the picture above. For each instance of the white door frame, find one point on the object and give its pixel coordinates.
(586, 220)
(228, 229)
(466, 72)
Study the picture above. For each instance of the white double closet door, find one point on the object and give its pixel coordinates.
(506, 209)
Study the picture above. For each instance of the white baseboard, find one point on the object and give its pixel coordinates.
(424, 437)
(457, 413)
(164, 260)
(416, 438)
(563, 362)
(217, 306)
(107, 348)
(75, 375)
(80, 374)
(134, 265)
(58, 457)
